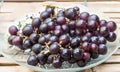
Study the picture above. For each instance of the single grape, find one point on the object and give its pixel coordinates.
(42, 58)
(53, 39)
(50, 59)
(58, 27)
(94, 55)
(34, 38)
(58, 32)
(65, 54)
(80, 32)
(81, 24)
(65, 28)
(111, 25)
(76, 8)
(44, 15)
(72, 60)
(54, 48)
(85, 39)
(102, 40)
(104, 31)
(64, 40)
(93, 47)
(27, 30)
(44, 28)
(27, 43)
(78, 53)
(42, 40)
(32, 60)
(47, 37)
(13, 30)
(92, 25)
(81, 63)
(37, 48)
(74, 42)
(102, 49)
(50, 10)
(61, 13)
(72, 33)
(93, 17)
(88, 34)
(84, 15)
(103, 23)
(71, 24)
(111, 37)
(86, 56)
(94, 39)
(51, 25)
(18, 41)
(61, 20)
(85, 46)
(48, 20)
(36, 22)
(10, 39)
(57, 63)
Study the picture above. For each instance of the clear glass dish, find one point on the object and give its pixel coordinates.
(20, 57)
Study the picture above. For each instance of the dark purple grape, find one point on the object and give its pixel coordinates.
(72, 60)
(93, 47)
(37, 48)
(58, 27)
(65, 54)
(44, 28)
(71, 13)
(78, 53)
(50, 10)
(51, 25)
(36, 22)
(104, 31)
(18, 41)
(65, 28)
(50, 59)
(103, 23)
(57, 63)
(74, 42)
(27, 44)
(61, 13)
(47, 37)
(94, 39)
(34, 38)
(111, 25)
(37, 30)
(81, 63)
(88, 34)
(93, 17)
(81, 24)
(44, 15)
(42, 40)
(42, 58)
(85, 39)
(53, 39)
(79, 32)
(32, 60)
(13, 30)
(94, 55)
(102, 49)
(71, 24)
(10, 39)
(111, 37)
(54, 48)
(48, 20)
(102, 40)
(64, 40)
(92, 25)
(76, 8)
(85, 46)
(72, 33)
(86, 56)
(58, 32)
(61, 20)
(84, 15)
(27, 30)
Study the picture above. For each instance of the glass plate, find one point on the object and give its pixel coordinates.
(20, 57)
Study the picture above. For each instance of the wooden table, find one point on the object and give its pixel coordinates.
(15, 10)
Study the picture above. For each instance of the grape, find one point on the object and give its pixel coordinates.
(72, 60)
(85, 39)
(42, 58)
(85, 46)
(27, 30)
(66, 54)
(44, 28)
(32, 60)
(10, 39)
(93, 47)
(58, 32)
(50, 10)
(88, 34)
(64, 40)
(103, 23)
(36, 22)
(50, 59)
(54, 39)
(81, 63)
(47, 37)
(27, 43)
(54, 48)
(58, 27)
(18, 41)
(48, 20)
(111, 37)
(61, 13)
(34, 38)
(94, 55)
(84, 15)
(72, 33)
(74, 42)
(57, 63)
(78, 53)
(93, 17)
(71, 24)
(94, 39)
(92, 25)
(102, 49)
(86, 56)
(104, 31)
(81, 24)
(102, 40)
(71, 13)
(65, 28)
(79, 32)
(13, 30)
(111, 26)
(61, 20)
(37, 48)
(76, 8)
(44, 15)
(51, 25)
(42, 40)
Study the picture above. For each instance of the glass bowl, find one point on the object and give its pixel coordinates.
(20, 57)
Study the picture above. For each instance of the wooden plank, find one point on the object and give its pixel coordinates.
(113, 59)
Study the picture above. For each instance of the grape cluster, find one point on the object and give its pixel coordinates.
(67, 35)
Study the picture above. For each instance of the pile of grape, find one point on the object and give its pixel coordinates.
(65, 35)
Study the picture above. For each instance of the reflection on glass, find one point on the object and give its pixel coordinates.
(1, 4)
